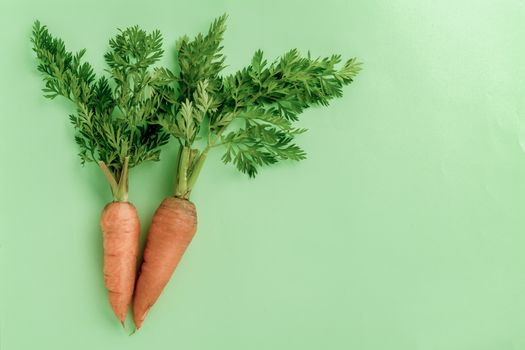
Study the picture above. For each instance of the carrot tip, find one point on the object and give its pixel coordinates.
(123, 324)
(134, 331)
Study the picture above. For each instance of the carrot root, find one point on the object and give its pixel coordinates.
(121, 229)
(173, 226)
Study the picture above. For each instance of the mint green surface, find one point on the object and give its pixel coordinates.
(403, 230)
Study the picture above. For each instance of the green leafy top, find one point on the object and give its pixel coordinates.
(201, 59)
(113, 119)
(250, 113)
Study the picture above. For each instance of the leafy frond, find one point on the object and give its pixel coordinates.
(134, 49)
(259, 144)
(252, 112)
(275, 94)
(201, 58)
(290, 84)
(63, 72)
(112, 124)
(185, 123)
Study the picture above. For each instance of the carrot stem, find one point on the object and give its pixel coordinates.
(178, 167)
(118, 190)
(122, 189)
(197, 169)
(109, 176)
(181, 189)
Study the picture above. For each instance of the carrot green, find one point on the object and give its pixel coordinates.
(114, 118)
(250, 114)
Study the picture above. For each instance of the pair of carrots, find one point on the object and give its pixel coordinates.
(171, 231)
(122, 123)
(117, 127)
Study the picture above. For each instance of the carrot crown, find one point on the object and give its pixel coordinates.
(115, 117)
(251, 114)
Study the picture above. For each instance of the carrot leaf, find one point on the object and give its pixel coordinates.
(114, 120)
(250, 113)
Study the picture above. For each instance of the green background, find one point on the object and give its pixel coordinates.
(404, 228)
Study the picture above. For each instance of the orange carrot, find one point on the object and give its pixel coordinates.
(116, 125)
(250, 113)
(121, 230)
(171, 231)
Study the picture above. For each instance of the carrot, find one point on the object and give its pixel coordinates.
(172, 229)
(250, 113)
(114, 123)
(121, 229)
